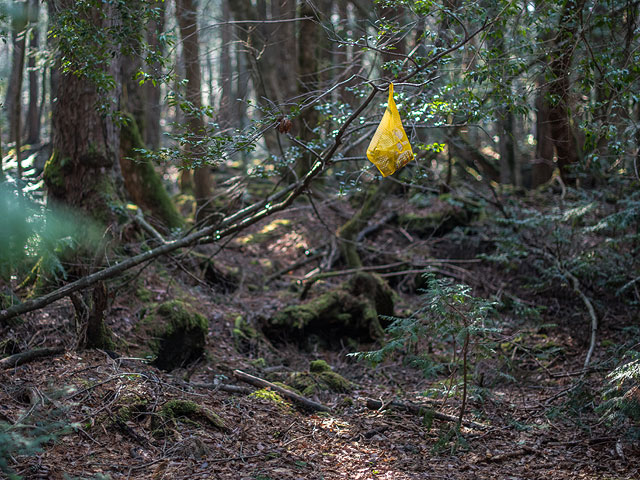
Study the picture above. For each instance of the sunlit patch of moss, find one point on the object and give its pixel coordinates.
(242, 329)
(271, 396)
(319, 366)
(266, 233)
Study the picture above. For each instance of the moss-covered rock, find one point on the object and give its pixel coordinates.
(177, 334)
(131, 406)
(319, 366)
(349, 311)
(320, 377)
(443, 215)
(184, 410)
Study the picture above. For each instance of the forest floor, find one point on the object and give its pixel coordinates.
(536, 421)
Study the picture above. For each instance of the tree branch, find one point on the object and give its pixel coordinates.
(234, 223)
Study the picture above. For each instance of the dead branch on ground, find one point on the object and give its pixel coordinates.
(28, 356)
(260, 383)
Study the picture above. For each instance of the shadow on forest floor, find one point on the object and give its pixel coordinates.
(131, 420)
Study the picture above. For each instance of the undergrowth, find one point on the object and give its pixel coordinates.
(449, 317)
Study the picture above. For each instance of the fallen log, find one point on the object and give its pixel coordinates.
(223, 387)
(260, 383)
(28, 356)
(422, 410)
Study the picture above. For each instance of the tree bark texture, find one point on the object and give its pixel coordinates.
(542, 168)
(143, 184)
(188, 23)
(308, 78)
(153, 107)
(225, 109)
(83, 171)
(14, 91)
(33, 112)
(559, 96)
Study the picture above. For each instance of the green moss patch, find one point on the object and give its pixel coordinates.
(131, 407)
(267, 233)
(245, 337)
(348, 312)
(319, 366)
(442, 216)
(320, 378)
(273, 397)
(143, 183)
(186, 411)
(177, 332)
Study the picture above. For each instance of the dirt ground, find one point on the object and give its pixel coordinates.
(538, 424)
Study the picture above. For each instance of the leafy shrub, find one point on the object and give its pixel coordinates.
(449, 314)
(621, 404)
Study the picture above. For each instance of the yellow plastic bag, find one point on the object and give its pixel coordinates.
(390, 149)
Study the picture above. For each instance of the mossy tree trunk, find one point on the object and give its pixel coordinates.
(90, 307)
(84, 170)
(144, 185)
(349, 231)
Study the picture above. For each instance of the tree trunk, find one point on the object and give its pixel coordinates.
(153, 107)
(33, 113)
(509, 171)
(90, 307)
(225, 109)
(83, 171)
(270, 57)
(14, 91)
(308, 79)
(542, 168)
(348, 233)
(559, 100)
(202, 179)
(142, 182)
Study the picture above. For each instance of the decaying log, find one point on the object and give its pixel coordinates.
(25, 357)
(260, 383)
(223, 387)
(422, 410)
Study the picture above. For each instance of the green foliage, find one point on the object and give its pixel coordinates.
(621, 403)
(592, 235)
(449, 312)
(86, 47)
(29, 231)
(29, 434)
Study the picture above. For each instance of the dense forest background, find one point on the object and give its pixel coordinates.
(186, 204)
